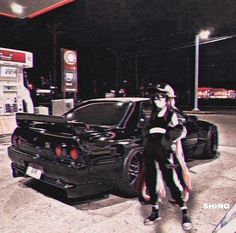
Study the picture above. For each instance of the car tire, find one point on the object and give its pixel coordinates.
(211, 144)
(127, 179)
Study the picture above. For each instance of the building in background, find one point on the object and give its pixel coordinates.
(215, 93)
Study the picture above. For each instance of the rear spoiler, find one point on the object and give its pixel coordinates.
(27, 118)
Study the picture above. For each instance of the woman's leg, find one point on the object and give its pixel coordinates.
(171, 177)
(151, 182)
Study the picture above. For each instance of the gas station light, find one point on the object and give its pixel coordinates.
(17, 8)
(204, 34)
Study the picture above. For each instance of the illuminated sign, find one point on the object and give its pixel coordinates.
(69, 70)
(70, 57)
(6, 55)
(14, 57)
(6, 71)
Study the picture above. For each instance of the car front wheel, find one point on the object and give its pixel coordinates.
(128, 178)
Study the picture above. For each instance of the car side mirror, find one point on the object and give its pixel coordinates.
(142, 122)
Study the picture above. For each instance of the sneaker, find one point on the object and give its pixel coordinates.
(152, 218)
(186, 223)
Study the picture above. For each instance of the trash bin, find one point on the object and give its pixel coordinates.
(41, 110)
(61, 106)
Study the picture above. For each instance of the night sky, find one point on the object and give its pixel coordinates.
(149, 41)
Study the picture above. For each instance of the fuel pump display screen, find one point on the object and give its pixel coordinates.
(7, 71)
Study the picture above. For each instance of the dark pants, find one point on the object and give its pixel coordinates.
(154, 152)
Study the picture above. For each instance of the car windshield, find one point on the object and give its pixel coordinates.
(99, 113)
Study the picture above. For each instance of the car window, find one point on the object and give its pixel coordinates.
(99, 113)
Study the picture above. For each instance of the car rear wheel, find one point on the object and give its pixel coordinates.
(211, 144)
(128, 178)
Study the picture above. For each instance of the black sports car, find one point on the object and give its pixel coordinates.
(97, 146)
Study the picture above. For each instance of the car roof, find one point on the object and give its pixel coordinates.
(121, 99)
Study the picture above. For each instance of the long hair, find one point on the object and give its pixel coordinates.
(170, 104)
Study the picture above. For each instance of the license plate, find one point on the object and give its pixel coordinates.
(34, 171)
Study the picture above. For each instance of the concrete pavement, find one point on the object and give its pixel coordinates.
(214, 183)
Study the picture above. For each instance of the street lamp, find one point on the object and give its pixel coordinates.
(203, 35)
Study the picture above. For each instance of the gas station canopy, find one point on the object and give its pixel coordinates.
(28, 8)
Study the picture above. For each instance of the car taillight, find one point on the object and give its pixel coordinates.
(16, 140)
(74, 154)
(19, 141)
(58, 151)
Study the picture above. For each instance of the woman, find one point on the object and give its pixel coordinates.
(163, 155)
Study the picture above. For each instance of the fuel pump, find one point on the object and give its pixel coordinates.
(14, 96)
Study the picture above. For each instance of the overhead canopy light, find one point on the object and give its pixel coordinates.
(17, 8)
(29, 9)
